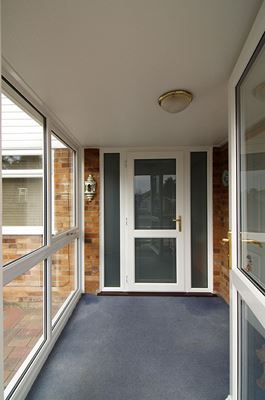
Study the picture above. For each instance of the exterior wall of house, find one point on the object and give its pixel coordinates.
(92, 225)
(220, 222)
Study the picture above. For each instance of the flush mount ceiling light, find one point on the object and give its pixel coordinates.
(175, 100)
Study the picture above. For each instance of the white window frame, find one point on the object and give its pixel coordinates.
(19, 266)
(239, 283)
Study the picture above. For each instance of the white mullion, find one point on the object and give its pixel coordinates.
(187, 224)
(81, 248)
(49, 212)
(165, 233)
(22, 173)
(210, 219)
(101, 222)
(22, 265)
(123, 171)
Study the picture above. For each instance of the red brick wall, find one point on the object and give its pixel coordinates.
(92, 225)
(27, 286)
(63, 193)
(220, 222)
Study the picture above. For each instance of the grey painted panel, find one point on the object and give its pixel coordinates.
(112, 219)
(199, 234)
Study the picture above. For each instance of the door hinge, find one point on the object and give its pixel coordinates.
(126, 221)
(126, 279)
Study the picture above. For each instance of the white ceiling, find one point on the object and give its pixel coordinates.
(100, 65)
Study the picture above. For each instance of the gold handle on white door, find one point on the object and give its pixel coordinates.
(179, 221)
(228, 240)
(252, 241)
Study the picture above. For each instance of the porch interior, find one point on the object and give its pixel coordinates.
(93, 70)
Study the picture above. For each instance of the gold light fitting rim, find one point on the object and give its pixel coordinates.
(176, 92)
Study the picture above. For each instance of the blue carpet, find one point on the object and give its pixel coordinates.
(140, 348)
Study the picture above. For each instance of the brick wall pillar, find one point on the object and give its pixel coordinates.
(220, 222)
(92, 225)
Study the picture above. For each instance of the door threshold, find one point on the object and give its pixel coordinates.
(158, 294)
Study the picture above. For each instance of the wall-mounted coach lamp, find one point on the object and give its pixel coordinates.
(90, 188)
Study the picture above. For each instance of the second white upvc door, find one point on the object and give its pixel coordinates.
(154, 223)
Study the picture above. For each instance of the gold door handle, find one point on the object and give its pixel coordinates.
(252, 241)
(179, 221)
(228, 240)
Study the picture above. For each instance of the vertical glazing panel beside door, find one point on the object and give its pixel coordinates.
(251, 165)
(111, 219)
(154, 231)
(199, 232)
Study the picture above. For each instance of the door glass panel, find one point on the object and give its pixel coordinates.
(23, 319)
(251, 137)
(63, 276)
(155, 193)
(22, 177)
(155, 260)
(199, 233)
(63, 186)
(253, 356)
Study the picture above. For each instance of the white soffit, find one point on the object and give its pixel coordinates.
(101, 65)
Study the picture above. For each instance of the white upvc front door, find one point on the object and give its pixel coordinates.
(155, 225)
(247, 217)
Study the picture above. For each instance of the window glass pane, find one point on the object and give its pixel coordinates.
(23, 319)
(112, 219)
(63, 276)
(199, 247)
(22, 202)
(22, 162)
(22, 158)
(253, 356)
(63, 186)
(155, 194)
(251, 136)
(155, 260)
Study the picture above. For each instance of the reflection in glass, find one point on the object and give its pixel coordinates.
(63, 276)
(155, 194)
(253, 356)
(63, 186)
(251, 130)
(22, 183)
(199, 245)
(23, 319)
(155, 260)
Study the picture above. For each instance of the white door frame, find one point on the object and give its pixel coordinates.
(124, 151)
(132, 233)
(239, 283)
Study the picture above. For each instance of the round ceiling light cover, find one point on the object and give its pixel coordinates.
(175, 100)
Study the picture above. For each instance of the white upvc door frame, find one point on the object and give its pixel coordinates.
(239, 283)
(163, 151)
(132, 233)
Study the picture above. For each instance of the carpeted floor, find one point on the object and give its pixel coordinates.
(140, 348)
